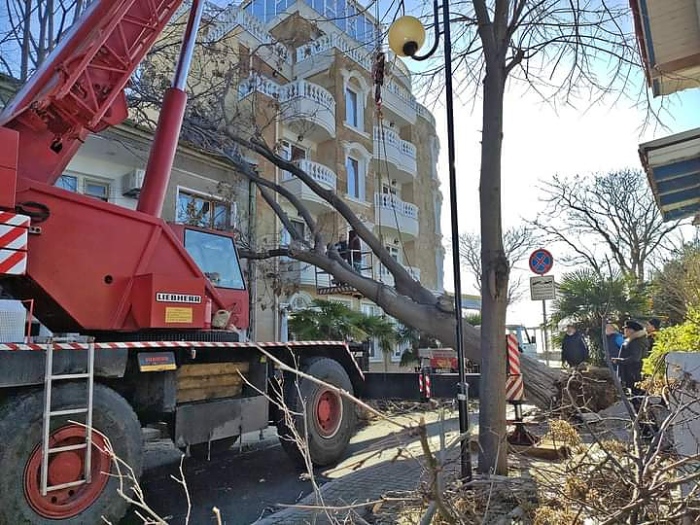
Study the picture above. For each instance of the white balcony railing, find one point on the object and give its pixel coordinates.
(232, 17)
(392, 212)
(320, 173)
(299, 100)
(399, 100)
(388, 145)
(334, 40)
(325, 176)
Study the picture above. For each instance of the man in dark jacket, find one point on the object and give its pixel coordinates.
(573, 348)
(652, 327)
(633, 349)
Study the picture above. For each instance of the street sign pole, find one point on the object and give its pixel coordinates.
(545, 335)
(541, 262)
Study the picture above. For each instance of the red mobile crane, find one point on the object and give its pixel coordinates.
(159, 307)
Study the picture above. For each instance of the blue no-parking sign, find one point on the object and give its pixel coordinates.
(541, 261)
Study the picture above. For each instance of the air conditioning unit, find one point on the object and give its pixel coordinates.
(132, 183)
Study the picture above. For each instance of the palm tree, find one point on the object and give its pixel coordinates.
(587, 298)
(330, 320)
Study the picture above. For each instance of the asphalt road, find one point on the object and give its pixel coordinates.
(243, 485)
(250, 484)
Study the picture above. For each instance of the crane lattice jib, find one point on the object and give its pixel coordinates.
(80, 87)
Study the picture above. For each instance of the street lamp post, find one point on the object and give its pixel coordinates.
(406, 36)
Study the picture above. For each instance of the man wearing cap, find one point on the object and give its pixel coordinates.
(629, 360)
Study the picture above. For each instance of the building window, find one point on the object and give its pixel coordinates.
(352, 108)
(205, 212)
(293, 153)
(390, 190)
(375, 352)
(90, 187)
(438, 213)
(99, 190)
(286, 237)
(299, 226)
(68, 182)
(393, 250)
(439, 262)
(356, 180)
(394, 253)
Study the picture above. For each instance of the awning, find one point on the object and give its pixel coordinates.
(668, 33)
(672, 165)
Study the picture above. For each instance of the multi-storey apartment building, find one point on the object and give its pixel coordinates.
(311, 61)
(314, 58)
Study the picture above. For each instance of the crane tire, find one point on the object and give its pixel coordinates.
(21, 429)
(330, 418)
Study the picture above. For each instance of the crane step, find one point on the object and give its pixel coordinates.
(68, 412)
(69, 376)
(67, 448)
(68, 485)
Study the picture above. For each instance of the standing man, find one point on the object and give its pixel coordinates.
(630, 359)
(573, 349)
(653, 326)
(615, 339)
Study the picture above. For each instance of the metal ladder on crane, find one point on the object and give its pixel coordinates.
(50, 377)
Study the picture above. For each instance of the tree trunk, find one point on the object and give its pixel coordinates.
(539, 379)
(494, 281)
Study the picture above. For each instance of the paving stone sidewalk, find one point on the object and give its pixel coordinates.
(368, 484)
(364, 485)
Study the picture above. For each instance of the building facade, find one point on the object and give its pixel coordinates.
(314, 58)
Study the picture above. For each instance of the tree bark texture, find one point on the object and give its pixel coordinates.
(494, 290)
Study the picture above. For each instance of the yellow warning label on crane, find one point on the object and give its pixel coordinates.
(178, 314)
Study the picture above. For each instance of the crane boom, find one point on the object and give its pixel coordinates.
(91, 266)
(80, 87)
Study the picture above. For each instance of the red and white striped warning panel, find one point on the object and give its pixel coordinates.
(14, 230)
(515, 388)
(424, 385)
(513, 355)
(13, 262)
(14, 219)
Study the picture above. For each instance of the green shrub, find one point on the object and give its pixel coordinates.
(684, 337)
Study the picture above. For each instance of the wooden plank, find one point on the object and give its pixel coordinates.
(212, 392)
(210, 369)
(186, 383)
(201, 381)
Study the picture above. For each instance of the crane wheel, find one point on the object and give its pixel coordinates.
(21, 424)
(330, 418)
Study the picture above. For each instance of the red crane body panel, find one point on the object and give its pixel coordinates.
(102, 267)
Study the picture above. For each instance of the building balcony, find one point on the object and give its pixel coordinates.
(322, 174)
(399, 102)
(305, 107)
(308, 109)
(387, 278)
(318, 54)
(270, 51)
(395, 154)
(308, 275)
(391, 213)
